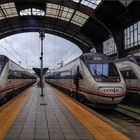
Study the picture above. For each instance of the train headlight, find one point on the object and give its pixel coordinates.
(118, 80)
(98, 79)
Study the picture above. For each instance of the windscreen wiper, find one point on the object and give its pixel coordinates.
(100, 74)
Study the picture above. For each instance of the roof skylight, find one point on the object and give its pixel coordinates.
(1, 14)
(60, 12)
(8, 10)
(38, 12)
(65, 13)
(79, 18)
(25, 12)
(32, 11)
(90, 3)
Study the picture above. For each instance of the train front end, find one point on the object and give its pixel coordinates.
(108, 86)
(3, 75)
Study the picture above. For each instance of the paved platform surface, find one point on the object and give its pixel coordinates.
(46, 118)
(52, 117)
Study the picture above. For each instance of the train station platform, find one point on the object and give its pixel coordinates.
(52, 117)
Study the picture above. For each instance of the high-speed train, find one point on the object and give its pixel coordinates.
(130, 69)
(91, 76)
(13, 78)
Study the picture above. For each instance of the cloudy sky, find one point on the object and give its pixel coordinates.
(25, 48)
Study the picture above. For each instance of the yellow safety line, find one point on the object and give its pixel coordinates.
(10, 112)
(97, 127)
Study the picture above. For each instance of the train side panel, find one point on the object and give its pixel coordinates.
(13, 78)
(3, 80)
(95, 92)
(131, 74)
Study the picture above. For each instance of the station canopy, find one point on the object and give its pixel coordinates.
(79, 21)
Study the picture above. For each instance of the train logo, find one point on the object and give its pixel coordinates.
(111, 90)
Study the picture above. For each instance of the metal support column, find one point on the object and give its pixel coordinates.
(42, 36)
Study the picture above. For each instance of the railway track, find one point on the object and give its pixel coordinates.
(122, 112)
(125, 118)
(129, 112)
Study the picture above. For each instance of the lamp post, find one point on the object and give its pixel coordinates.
(42, 36)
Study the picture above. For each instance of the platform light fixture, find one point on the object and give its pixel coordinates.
(41, 36)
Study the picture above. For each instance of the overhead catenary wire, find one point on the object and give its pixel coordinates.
(9, 52)
(71, 54)
(62, 58)
(10, 45)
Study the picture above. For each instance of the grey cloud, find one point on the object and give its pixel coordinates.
(27, 46)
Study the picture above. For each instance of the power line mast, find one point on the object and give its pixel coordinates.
(42, 36)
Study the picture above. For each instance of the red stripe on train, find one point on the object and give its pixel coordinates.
(89, 92)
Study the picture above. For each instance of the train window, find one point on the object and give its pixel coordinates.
(97, 58)
(74, 70)
(91, 58)
(24, 76)
(17, 74)
(133, 76)
(10, 75)
(94, 57)
(65, 75)
(128, 74)
(123, 74)
(132, 59)
(138, 60)
(0, 68)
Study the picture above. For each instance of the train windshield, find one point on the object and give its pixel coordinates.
(104, 72)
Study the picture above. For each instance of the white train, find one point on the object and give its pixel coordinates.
(91, 76)
(13, 78)
(130, 69)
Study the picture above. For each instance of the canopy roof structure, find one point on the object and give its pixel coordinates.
(37, 71)
(87, 23)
